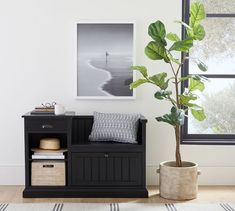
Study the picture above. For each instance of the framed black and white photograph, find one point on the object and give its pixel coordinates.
(105, 53)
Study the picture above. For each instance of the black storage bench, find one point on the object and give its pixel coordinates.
(92, 169)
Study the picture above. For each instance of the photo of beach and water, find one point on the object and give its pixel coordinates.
(104, 58)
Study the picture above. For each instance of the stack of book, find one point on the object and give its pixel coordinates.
(48, 154)
(43, 110)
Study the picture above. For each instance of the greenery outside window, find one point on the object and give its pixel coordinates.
(217, 50)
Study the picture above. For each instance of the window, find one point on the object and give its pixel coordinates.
(217, 50)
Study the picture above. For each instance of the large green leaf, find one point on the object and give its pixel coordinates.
(198, 114)
(185, 78)
(138, 83)
(158, 32)
(162, 94)
(165, 118)
(199, 32)
(176, 117)
(202, 66)
(160, 80)
(197, 13)
(194, 106)
(184, 99)
(173, 37)
(182, 46)
(156, 51)
(200, 78)
(142, 69)
(195, 84)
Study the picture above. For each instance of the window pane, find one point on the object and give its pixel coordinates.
(217, 48)
(218, 99)
(218, 6)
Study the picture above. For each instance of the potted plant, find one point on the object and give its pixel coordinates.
(178, 179)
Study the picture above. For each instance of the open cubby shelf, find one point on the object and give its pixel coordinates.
(81, 129)
(35, 138)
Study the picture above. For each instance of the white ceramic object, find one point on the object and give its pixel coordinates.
(178, 183)
(59, 109)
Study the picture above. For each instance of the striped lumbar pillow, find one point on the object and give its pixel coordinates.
(115, 127)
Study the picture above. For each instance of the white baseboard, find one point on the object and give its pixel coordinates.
(12, 174)
(210, 175)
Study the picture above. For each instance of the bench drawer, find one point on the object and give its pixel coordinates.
(46, 125)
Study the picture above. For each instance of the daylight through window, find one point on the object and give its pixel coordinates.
(217, 50)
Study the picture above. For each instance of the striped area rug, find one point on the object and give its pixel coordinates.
(116, 207)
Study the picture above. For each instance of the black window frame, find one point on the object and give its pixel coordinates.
(203, 139)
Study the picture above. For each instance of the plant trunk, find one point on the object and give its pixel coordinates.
(177, 151)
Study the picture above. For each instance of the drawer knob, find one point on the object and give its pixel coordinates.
(48, 166)
(47, 126)
(106, 155)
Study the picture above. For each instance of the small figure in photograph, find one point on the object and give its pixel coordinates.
(106, 57)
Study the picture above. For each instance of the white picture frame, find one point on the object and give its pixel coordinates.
(105, 74)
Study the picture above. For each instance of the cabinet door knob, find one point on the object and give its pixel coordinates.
(106, 155)
(47, 126)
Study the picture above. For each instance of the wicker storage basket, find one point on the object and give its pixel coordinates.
(48, 173)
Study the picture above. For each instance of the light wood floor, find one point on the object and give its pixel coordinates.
(207, 194)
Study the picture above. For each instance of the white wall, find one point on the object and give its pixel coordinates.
(37, 57)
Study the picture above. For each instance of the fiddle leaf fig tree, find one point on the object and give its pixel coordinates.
(157, 49)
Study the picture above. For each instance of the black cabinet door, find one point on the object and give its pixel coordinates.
(106, 169)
